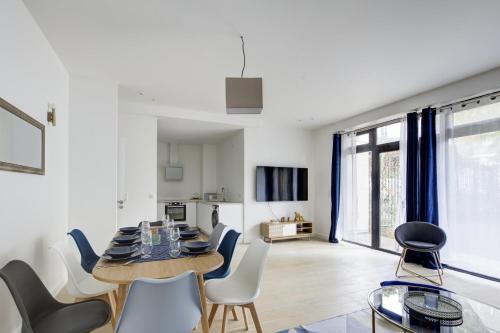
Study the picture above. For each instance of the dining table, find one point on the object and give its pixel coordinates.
(123, 274)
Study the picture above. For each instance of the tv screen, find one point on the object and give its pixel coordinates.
(281, 184)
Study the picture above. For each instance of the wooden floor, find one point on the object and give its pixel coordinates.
(306, 281)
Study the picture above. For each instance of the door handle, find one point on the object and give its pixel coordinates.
(121, 202)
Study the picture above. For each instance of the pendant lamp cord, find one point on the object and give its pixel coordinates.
(244, 56)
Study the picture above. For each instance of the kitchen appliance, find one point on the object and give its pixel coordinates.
(281, 184)
(210, 196)
(176, 210)
(173, 173)
(215, 215)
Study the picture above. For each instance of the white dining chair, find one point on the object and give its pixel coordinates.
(240, 288)
(162, 305)
(216, 236)
(82, 285)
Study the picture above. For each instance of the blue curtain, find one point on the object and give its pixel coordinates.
(421, 177)
(428, 174)
(412, 168)
(335, 187)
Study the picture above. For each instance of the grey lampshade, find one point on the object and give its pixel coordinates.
(243, 95)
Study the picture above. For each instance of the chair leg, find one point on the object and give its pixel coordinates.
(235, 316)
(255, 317)
(224, 319)
(245, 317)
(401, 259)
(213, 311)
(112, 304)
(439, 269)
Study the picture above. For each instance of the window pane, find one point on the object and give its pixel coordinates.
(362, 228)
(481, 113)
(389, 133)
(390, 199)
(473, 200)
(362, 139)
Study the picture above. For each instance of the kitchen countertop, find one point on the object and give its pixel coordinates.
(163, 200)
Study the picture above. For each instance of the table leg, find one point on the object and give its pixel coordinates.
(373, 321)
(203, 299)
(120, 299)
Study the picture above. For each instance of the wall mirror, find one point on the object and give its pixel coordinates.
(22, 141)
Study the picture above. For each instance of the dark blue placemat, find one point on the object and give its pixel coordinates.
(161, 251)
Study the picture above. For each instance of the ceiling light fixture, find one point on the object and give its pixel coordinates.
(243, 95)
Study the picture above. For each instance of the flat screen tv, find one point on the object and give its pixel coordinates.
(281, 184)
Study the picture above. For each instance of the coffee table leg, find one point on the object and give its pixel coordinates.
(203, 299)
(373, 321)
(120, 299)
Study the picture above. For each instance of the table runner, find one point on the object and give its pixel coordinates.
(161, 251)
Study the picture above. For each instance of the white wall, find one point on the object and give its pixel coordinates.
(190, 158)
(275, 147)
(93, 158)
(33, 208)
(323, 136)
(230, 167)
(139, 166)
(209, 168)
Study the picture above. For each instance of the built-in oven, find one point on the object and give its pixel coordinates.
(176, 210)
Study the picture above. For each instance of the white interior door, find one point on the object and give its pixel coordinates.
(122, 185)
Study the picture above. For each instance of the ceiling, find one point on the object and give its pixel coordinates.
(321, 61)
(177, 130)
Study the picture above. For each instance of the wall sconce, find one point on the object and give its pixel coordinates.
(51, 114)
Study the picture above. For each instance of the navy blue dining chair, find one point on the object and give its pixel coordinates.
(88, 257)
(226, 249)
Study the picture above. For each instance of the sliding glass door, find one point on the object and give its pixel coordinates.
(377, 188)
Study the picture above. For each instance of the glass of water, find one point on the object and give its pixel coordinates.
(175, 234)
(146, 240)
(175, 248)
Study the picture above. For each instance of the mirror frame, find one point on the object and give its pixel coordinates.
(20, 114)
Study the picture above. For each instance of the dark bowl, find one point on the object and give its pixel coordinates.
(126, 238)
(181, 226)
(121, 252)
(129, 230)
(188, 233)
(196, 246)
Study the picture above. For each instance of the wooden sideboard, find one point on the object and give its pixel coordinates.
(273, 231)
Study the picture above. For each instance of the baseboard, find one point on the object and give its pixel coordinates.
(322, 237)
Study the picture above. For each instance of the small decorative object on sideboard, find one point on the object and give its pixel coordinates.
(298, 217)
(272, 231)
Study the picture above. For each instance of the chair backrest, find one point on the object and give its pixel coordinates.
(226, 249)
(169, 305)
(152, 224)
(76, 274)
(88, 256)
(32, 299)
(420, 231)
(216, 235)
(251, 265)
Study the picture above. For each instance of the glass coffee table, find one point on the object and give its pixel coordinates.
(388, 303)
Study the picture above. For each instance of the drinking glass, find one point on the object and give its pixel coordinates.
(156, 236)
(175, 234)
(175, 248)
(146, 239)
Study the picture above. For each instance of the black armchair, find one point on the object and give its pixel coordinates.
(41, 313)
(421, 237)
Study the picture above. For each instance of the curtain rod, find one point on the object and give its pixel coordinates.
(439, 107)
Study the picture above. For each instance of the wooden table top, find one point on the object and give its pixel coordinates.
(114, 273)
